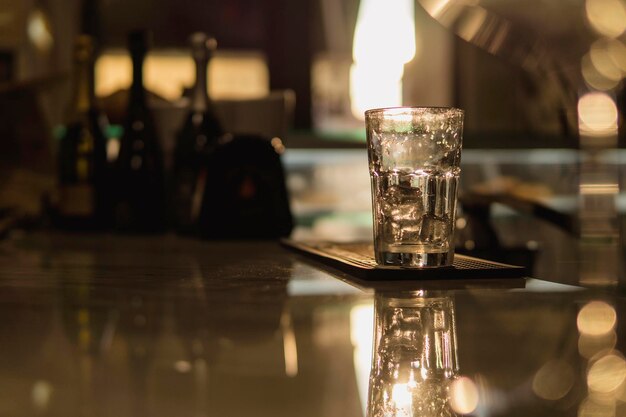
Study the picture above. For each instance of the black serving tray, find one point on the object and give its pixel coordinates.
(357, 260)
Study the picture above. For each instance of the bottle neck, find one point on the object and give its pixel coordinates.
(83, 97)
(199, 98)
(137, 91)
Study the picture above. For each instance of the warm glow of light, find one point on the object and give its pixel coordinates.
(596, 318)
(617, 52)
(603, 62)
(608, 17)
(588, 346)
(362, 337)
(592, 76)
(290, 348)
(41, 394)
(401, 396)
(590, 408)
(553, 380)
(169, 73)
(464, 395)
(373, 86)
(384, 40)
(597, 114)
(38, 29)
(606, 374)
(599, 189)
(182, 366)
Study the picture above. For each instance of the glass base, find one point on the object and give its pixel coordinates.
(414, 259)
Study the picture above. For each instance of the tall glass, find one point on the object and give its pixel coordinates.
(414, 162)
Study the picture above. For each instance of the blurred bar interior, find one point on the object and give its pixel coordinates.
(541, 83)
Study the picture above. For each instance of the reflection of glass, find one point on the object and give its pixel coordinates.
(415, 360)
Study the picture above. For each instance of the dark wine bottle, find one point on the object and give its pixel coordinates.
(196, 140)
(84, 200)
(140, 187)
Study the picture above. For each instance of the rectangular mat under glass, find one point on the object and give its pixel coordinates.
(358, 259)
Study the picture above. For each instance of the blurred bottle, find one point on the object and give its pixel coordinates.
(140, 202)
(196, 140)
(84, 195)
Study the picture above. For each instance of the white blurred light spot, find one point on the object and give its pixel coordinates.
(41, 393)
(596, 318)
(553, 380)
(38, 29)
(597, 114)
(384, 40)
(608, 17)
(463, 395)
(606, 374)
(401, 395)
(182, 366)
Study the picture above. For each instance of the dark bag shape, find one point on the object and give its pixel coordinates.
(245, 194)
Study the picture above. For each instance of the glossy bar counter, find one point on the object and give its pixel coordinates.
(167, 326)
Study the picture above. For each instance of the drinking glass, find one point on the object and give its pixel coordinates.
(414, 162)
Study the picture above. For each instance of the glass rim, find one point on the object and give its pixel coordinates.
(401, 110)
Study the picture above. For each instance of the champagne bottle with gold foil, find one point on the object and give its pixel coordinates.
(83, 195)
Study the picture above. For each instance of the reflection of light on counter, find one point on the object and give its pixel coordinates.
(608, 17)
(362, 337)
(464, 395)
(606, 374)
(290, 348)
(40, 395)
(167, 73)
(597, 114)
(384, 40)
(38, 30)
(596, 318)
(553, 380)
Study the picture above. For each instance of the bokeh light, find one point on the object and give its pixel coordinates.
(602, 60)
(606, 374)
(608, 17)
(593, 78)
(376, 75)
(590, 408)
(464, 395)
(597, 114)
(553, 380)
(596, 318)
(589, 346)
(617, 52)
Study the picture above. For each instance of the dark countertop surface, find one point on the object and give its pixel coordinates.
(168, 326)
